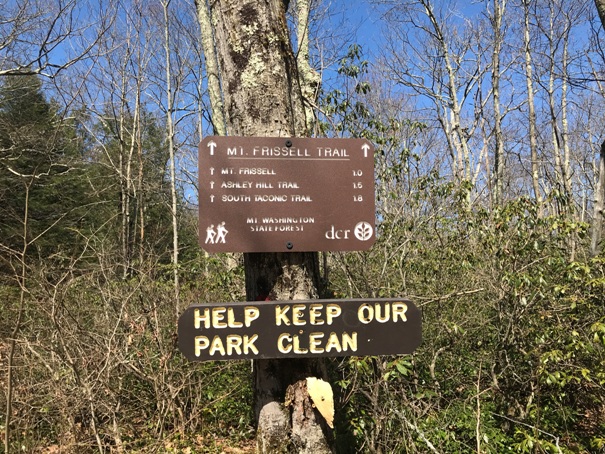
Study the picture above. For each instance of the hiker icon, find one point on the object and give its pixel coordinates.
(221, 232)
(216, 236)
(210, 234)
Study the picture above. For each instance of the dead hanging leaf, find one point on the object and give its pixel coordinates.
(320, 393)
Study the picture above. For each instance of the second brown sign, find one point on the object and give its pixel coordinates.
(296, 329)
(262, 194)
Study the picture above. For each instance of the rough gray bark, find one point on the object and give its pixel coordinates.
(258, 70)
(496, 20)
(601, 10)
(262, 96)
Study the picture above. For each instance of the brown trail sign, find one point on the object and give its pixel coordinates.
(298, 329)
(266, 194)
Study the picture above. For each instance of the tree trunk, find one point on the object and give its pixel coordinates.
(597, 218)
(533, 134)
(563, 202)
(262, 97)
(171, 151)
(12, 343)
(496, 20)
(458, 138)
(565, 164)
(308, 77)
(601, 9)
(212, 69)
(258, 70)
(599, 192)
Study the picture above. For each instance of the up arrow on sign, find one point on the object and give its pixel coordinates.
(365, 147)
(212, 146)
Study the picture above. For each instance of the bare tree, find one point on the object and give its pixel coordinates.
(556, 23)
(599, 192)
(436, 58)
(212, 69)
(532, 131)
(21, 277)
(598, 210)
(121, 79)
(559, 133)
(45, 37)
(496, 19)
(170, 133)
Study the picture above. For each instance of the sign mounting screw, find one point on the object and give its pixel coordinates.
(289, 245)
(288, 143)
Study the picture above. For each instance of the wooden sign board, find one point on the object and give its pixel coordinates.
(296, 329)
(263, 194)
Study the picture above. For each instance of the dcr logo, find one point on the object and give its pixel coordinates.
(363, 231)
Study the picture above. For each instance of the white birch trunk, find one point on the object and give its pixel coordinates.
(599, 192)
(566, 166)
(533, 138)
(599, 196)
(458, 138)
(172, 161)
(554, 127)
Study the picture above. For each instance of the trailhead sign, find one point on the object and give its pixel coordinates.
(297, 329)
(267, 194)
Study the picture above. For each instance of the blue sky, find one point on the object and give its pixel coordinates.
(365, 21)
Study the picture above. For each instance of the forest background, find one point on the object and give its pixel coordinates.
(487, 121)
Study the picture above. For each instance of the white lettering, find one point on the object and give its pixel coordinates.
(334, 234)
(251, 313)
(399, 310)
(232, 344)
(332, 311)
(316, 343)
(270, 198)
(280, 315)
(236, 198)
